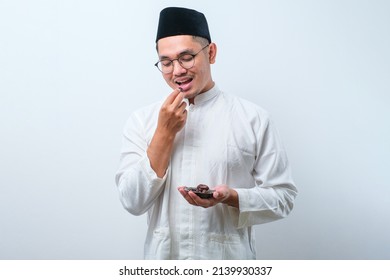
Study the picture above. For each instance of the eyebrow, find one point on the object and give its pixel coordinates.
(186, 51)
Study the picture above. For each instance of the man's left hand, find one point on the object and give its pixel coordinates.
(222, 194)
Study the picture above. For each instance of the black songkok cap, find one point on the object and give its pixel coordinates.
(181, 21)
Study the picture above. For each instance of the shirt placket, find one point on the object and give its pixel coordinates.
(189, 165)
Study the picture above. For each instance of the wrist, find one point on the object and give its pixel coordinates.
(159, 152)
(163, 135)
(232, 199)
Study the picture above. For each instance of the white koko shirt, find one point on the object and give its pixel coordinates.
(226, 140)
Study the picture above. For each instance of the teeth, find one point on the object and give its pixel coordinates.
(183, 81)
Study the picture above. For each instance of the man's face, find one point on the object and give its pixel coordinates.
(192, 81)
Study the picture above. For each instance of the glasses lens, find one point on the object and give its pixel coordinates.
(187, 61)
(165, 66)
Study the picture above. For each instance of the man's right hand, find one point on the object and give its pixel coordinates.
(171, 120)
(173, 114)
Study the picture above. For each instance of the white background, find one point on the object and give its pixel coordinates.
(72, 71)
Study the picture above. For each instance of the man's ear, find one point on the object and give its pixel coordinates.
(212, 53)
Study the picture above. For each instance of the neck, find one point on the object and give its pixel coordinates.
(192, 99)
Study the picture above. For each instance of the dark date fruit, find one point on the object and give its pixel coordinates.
(202, 190)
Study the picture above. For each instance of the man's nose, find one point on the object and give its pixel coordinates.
(177, 68)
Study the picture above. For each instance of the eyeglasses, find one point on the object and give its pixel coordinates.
(187, 61)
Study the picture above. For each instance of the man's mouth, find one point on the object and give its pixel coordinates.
(183, 83)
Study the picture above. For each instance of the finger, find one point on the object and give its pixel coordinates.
(183, 107)
(178, 99)
(200, 201)
(186, 195)
(190, 199)
(171, 97)
(218, 195)
(182, 191)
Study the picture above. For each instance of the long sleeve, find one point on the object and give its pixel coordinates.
(273, 195)
(137, 182)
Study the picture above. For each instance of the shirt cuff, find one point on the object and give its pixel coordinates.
(240, 216)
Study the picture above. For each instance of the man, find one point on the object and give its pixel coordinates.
(201, 135)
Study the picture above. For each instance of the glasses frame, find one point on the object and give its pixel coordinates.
(178, 60)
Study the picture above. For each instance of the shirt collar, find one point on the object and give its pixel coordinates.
(207, 95)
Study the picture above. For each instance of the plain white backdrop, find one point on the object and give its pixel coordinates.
(71, 72)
